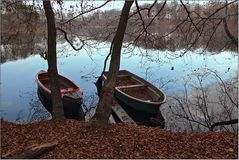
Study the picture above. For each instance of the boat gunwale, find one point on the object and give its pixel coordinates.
(144, 82)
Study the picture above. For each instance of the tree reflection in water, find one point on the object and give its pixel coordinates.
(37, 111)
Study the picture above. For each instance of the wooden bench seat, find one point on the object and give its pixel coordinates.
(64, 90)
(131, 86)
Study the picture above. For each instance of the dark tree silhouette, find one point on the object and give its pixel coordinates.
(57, 106)
(103, 110)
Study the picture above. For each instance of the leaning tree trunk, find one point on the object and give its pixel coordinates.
(103, 110)
(57, 106)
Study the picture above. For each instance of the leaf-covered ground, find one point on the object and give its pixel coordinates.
(78, 140)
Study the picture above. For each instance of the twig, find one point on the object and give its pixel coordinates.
(65, 35)
(86, 12)
(189, 16)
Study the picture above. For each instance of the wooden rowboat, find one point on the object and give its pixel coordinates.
(137, 92)
(72, 96)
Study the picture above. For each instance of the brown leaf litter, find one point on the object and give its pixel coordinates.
(78, 140)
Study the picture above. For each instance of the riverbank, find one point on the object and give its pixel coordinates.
(77, 140)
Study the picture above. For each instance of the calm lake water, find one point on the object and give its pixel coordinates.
(19, 101)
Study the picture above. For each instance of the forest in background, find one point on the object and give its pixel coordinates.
(166, 31)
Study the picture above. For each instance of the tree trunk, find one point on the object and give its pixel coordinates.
(34, 151)
(103, 110)
(57, 106)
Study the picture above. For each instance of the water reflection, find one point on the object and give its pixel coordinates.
(18, 77)
(70, 114)
(37, 110)
(142, 118)
(13, 52)
(34, 111)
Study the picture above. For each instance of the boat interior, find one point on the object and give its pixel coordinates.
(65, 85)
(135, 88)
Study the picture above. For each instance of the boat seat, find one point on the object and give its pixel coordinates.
(132, 86)
(122, 76)
(64, 90)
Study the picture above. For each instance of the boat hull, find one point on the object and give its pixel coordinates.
(71, 110)
(136, 104)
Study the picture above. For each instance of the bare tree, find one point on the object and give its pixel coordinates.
(57, 106)
(106, 96)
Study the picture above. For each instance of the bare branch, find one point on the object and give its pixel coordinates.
(151, 7)
(65, 35)
(204, 19)
(82, 13)
(142, 20)
(214, 31)
(111, 47)
(224, 87)
(134, 13)
(189, 16)
(222, 8)
(230, 122)
(233, 39)
(136, 39)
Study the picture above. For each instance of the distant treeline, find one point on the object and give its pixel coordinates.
(172, 29)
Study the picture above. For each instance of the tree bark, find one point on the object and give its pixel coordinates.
(34, 151)
(103, 110)
(57, 106)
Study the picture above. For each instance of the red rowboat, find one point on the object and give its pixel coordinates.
(71, 94)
